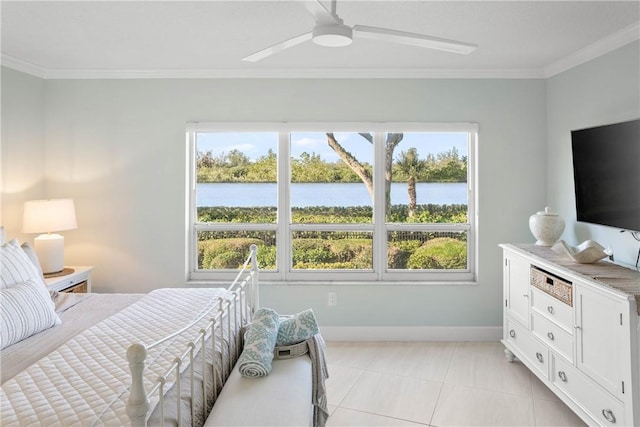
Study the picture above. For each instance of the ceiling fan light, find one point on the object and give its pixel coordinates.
(332, 35)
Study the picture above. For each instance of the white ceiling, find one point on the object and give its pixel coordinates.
(64, 39)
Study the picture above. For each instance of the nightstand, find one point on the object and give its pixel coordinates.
(79, 281)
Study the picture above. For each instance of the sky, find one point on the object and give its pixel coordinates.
(256, 144)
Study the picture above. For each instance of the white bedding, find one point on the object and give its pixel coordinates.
(78, 312)
(64, 388)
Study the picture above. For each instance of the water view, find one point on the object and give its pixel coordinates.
(325, 194)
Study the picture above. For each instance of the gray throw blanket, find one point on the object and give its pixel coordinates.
(260, 340)
(320, 374)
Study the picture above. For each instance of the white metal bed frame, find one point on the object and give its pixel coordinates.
(240, 307)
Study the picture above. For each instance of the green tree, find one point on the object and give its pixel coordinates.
(236, 158)
(448, 166)
(410, 166)
(204, 159)
(264, 169)
(311, 168)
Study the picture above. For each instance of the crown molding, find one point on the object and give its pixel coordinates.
(603, 46)
(23, 66)
(300, 73)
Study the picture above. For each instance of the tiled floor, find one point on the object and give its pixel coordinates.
(436, 384)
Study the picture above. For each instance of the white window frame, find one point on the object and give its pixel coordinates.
(283, 229)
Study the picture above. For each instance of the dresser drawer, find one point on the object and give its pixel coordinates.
(598, 403)
(552, 308)
(553, 335)
(533, 350)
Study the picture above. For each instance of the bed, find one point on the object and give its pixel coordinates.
(119, 359)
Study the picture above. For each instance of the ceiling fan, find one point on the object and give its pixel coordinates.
(330, 31)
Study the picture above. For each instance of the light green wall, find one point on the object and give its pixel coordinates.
(118, 148)
(22, 146)
(603, 91)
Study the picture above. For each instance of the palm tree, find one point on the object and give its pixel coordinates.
(410, 165)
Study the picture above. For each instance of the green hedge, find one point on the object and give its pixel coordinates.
(332, 254)
(428, 213)
(332, 249)
(224, 253)
(441, 253)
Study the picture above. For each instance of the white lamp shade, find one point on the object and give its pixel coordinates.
(45, 216)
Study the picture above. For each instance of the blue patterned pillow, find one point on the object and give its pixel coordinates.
(297, 328)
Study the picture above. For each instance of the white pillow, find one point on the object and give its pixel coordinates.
(16, 267)
(3, 235)
(26, 309)
(33, 256)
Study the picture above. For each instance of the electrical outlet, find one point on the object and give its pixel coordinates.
(333, 299)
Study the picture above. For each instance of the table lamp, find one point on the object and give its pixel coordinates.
(49, 216)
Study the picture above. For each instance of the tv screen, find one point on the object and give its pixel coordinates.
(606, 173)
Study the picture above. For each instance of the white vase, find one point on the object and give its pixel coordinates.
(546, 227)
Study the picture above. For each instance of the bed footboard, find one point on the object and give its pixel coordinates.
(223, 322)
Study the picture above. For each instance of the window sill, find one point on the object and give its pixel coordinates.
(406, 283)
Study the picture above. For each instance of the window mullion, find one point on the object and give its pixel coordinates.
(191, 211)
(284, 242)
(379, 234)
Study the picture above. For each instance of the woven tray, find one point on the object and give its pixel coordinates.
(62, 272)
(291, 351)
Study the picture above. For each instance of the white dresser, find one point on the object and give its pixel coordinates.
(576, 326)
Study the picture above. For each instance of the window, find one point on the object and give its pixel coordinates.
(363, 202)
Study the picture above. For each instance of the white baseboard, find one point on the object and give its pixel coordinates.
(411, 333)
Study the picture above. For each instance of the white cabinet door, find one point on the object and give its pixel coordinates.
(516, 287)
(600, 333)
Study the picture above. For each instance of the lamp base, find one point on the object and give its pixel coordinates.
(50, 251)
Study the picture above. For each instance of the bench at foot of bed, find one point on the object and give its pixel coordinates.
(282, 398)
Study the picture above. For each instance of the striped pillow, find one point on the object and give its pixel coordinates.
(26, 309)
(33, 256)
(16, 267)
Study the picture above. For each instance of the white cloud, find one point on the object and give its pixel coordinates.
(309, 142)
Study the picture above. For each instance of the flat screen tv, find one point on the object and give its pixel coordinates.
(606, 173)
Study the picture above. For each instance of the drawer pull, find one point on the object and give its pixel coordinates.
(540, 358)
(550, 335)
(562, 376)
(512, 333)
(550, 309)
(608, 415)
(525, 295)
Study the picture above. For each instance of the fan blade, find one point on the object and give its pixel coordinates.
(272, 50)
(413, 39)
